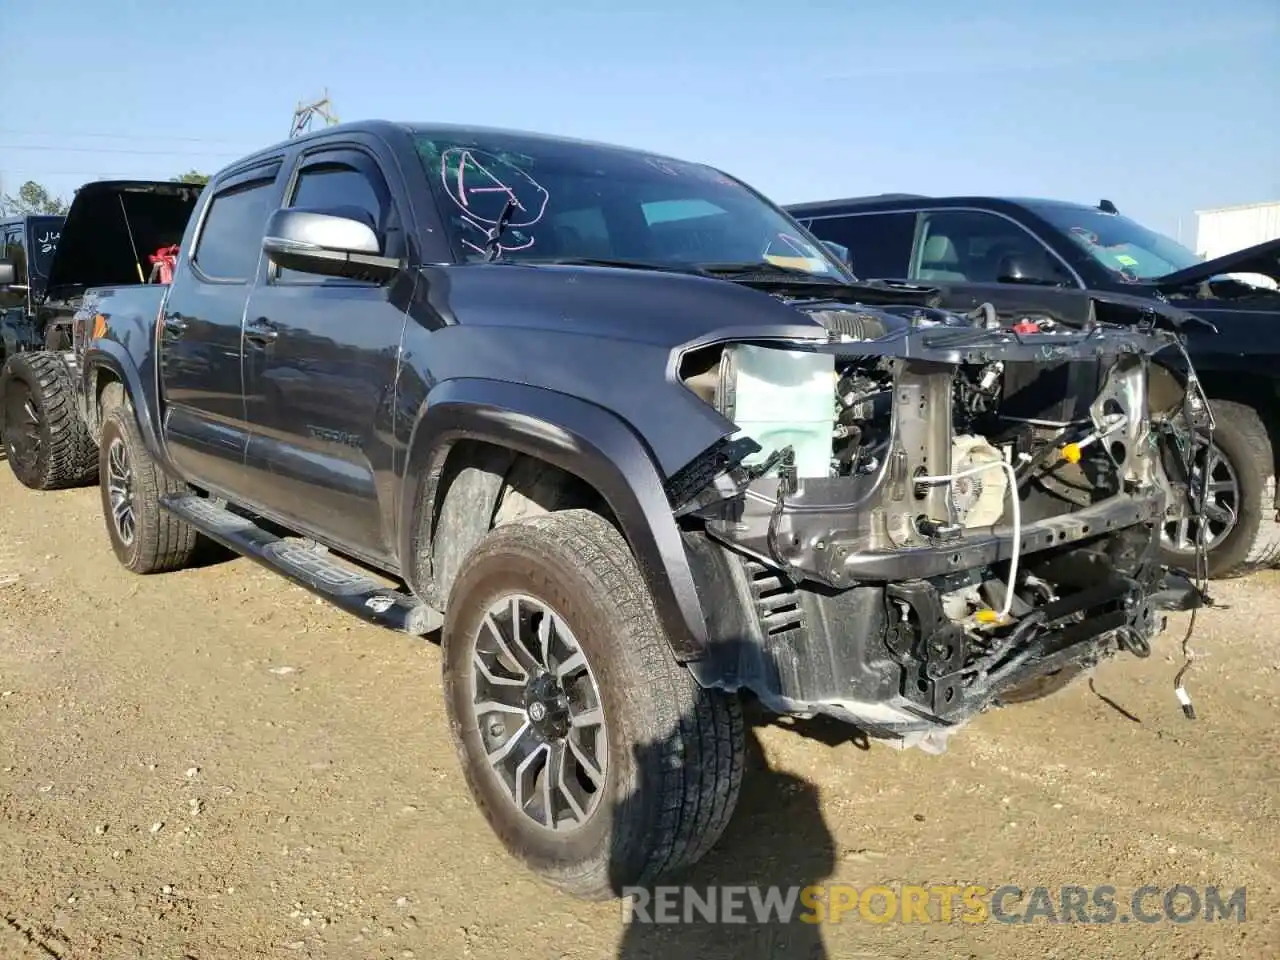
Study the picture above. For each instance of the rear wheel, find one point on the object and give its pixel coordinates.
(145, 537)
(46, 442)
(595, 757)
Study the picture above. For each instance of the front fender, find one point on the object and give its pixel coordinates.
(579, 438)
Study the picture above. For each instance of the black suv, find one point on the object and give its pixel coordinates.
(1052, 258)
(28, 243)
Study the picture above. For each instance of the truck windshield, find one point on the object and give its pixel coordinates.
(1129, 250)
(44, 233)
(566, 200)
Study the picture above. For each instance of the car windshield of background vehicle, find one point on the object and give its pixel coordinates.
(1126, 248)
(45, 233)
(549, 201)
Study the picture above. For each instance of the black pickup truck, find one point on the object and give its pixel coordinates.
(639, 444)
(1054, 258)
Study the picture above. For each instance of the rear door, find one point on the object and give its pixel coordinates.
(321, 357)
(205, 424)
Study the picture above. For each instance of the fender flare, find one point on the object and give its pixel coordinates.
(580, 438)
(110, 355)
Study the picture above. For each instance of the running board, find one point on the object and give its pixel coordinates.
(308, 566)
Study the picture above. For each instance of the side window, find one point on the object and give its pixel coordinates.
(879, 244)
(972, 246)
(231, 237)
(348, 182)
(11, 249)
(15, 252)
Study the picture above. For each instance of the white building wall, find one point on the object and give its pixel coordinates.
(1228, 229)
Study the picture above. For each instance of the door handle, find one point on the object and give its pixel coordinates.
(262, 331)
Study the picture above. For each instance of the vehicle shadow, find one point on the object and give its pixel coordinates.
(776, 843)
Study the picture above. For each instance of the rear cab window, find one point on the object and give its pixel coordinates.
(44, 232)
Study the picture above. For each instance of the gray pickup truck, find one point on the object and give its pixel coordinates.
(639, 444)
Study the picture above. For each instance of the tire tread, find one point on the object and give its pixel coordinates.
(702, 735)
(71, 458)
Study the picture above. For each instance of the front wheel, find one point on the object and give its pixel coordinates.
(1240, 530)
(594, 756)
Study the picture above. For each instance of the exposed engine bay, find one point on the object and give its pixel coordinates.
(930, 512)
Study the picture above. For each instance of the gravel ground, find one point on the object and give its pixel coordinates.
(216, 764)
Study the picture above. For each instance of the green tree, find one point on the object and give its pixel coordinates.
(192, 176)
(33, 198)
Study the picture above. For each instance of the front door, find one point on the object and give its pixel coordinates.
(321, 357)
(964, 252)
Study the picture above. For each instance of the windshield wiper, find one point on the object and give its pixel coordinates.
(763, 268)
(612, 262)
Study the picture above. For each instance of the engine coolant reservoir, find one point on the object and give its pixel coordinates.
(784, 398)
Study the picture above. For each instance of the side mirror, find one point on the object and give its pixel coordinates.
(1018, 268)
(841, 252)
(334, 244)
(8, 274)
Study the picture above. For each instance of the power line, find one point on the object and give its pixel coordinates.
(117, 136)
(143, 153)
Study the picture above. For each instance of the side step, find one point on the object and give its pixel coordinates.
(311, 567)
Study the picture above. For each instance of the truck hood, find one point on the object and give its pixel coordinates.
(1262, 258)
(111, 229)
(644, 306)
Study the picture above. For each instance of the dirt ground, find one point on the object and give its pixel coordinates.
(215, 764)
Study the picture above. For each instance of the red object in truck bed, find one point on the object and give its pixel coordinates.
(163, 261)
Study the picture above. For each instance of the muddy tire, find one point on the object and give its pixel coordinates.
(46, 443)
(1243, 476)
(648, 765)
(145, 537)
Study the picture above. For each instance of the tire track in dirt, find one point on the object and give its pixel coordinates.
(331, 819)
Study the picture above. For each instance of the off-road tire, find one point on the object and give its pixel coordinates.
(1254, 543)
(676, 751)
(67, 456)
(161, 542)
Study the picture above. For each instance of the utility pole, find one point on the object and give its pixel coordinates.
(306, 112)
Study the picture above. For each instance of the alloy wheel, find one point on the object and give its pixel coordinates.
(537, 705)
(22, 434)
(1182, 531)
(120, 491)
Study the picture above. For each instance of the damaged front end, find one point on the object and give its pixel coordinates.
(922, 516)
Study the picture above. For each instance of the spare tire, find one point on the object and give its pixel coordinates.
(45, 441)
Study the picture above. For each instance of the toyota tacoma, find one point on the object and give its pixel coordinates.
(637, 444)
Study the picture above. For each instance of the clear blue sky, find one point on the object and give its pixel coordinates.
(1163, 106)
